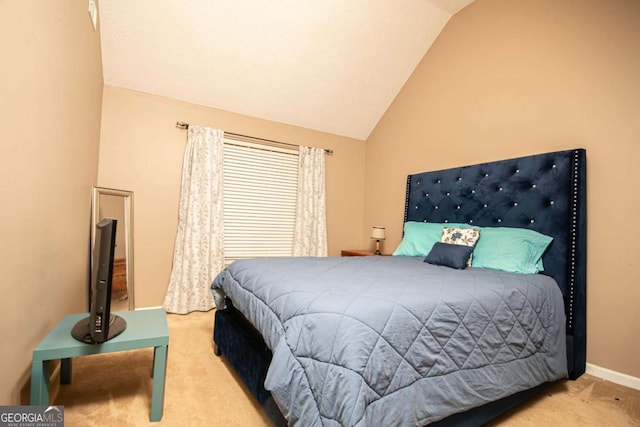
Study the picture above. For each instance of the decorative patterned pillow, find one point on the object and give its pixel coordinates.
(461, 236)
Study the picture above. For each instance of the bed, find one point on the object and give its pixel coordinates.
(398, 341)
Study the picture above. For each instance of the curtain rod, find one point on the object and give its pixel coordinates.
(183, 125)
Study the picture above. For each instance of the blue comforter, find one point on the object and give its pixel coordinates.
(364, 341)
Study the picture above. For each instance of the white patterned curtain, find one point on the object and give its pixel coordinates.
(198, 255)
(310, 230)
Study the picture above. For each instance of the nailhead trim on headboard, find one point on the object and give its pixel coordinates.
(574, 224)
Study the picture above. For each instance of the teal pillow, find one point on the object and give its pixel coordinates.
(518, 250)
(419, 237)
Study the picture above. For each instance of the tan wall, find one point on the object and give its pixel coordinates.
(141, 150)
(50, 102)
(511, 78)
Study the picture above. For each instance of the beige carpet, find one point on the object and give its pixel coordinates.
(201, 390)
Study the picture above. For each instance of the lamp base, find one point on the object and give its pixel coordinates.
(377, 252)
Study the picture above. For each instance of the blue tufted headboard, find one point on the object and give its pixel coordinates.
(544, 192)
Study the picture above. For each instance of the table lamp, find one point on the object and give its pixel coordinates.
(377, 233)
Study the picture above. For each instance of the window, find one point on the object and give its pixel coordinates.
(260, 187)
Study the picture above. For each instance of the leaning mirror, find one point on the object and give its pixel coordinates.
(118, 204)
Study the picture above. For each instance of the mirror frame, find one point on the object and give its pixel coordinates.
(128, 230)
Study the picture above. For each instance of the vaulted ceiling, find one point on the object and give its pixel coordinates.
(329, 65)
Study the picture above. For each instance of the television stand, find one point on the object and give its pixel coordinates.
(81, 330)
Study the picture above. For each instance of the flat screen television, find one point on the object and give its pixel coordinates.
(101, 325)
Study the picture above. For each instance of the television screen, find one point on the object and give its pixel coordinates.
(101, 325)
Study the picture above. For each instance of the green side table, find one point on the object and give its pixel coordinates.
(145, 328)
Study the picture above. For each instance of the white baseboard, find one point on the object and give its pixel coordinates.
(148, 308)
(613, 376)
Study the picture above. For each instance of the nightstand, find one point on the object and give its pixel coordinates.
(358, 252)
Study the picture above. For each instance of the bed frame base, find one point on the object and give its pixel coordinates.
(243, 347)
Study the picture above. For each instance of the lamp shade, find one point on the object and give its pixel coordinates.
(377, 233)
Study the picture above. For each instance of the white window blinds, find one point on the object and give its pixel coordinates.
(260, 187)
